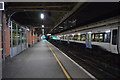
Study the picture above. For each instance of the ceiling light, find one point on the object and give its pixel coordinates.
(43, 31)
(60, 27)
(107, 31)
(89, 32)
(42, 16)
(78, 33)
(42, 26)
(48, 34)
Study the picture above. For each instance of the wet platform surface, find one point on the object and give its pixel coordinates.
(39, 62)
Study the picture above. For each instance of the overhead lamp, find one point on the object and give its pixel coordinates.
(60, 27)
(78, 33)
(27, 29)
(42, 16)
(48, 34)
(89, 32)
(107, 31)
(43, 31)
(42, 26)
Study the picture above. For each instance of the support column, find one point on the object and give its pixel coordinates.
(29, 38)
(0, 36)
(0, 44)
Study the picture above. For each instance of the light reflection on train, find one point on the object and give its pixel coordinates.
(105, 37)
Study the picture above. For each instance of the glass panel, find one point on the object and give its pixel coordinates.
(19, 38)
(19, 35)
(23, 35)
(14, 35)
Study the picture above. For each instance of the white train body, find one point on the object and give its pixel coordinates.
(95, 36)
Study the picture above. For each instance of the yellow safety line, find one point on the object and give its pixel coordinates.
(63, 69)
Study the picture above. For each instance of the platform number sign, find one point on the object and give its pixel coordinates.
(1, 5)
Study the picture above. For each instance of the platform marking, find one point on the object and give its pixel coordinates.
(75, 63)
(63, 69)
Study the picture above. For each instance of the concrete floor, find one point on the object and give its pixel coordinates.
(39, 62)
(35, 62)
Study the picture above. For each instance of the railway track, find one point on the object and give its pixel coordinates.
(92, 66)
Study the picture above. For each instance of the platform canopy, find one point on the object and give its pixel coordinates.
(56, 14)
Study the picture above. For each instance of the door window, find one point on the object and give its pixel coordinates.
(114, 37)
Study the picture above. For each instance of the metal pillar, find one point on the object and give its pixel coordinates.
(11, 53)
(3, 36)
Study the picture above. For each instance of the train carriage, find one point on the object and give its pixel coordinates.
(107, 37)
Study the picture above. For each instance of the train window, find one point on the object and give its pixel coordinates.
(93, 37)
(83, 37)
(75, 37)
(101, 39)
(79, 37)
(70, 37)
(114, 37)
(98, 37)
(107, 37)
(64, 37)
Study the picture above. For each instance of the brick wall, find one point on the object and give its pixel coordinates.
(6, 38)
(29, 38)
(32, 38)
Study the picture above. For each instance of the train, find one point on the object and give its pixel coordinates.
(106, 37)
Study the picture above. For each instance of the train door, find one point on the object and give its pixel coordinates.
(88, 40)
(118, 39)
(114, 33)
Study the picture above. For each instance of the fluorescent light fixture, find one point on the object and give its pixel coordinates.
(42, 16)
(107, 31)
(28, 29)
(42, 26)
(48, 34)
(89, 32)
(78, 33)
(72, 34)
(60, 27)
(43, 31)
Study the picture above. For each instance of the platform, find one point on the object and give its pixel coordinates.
(39, 62)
